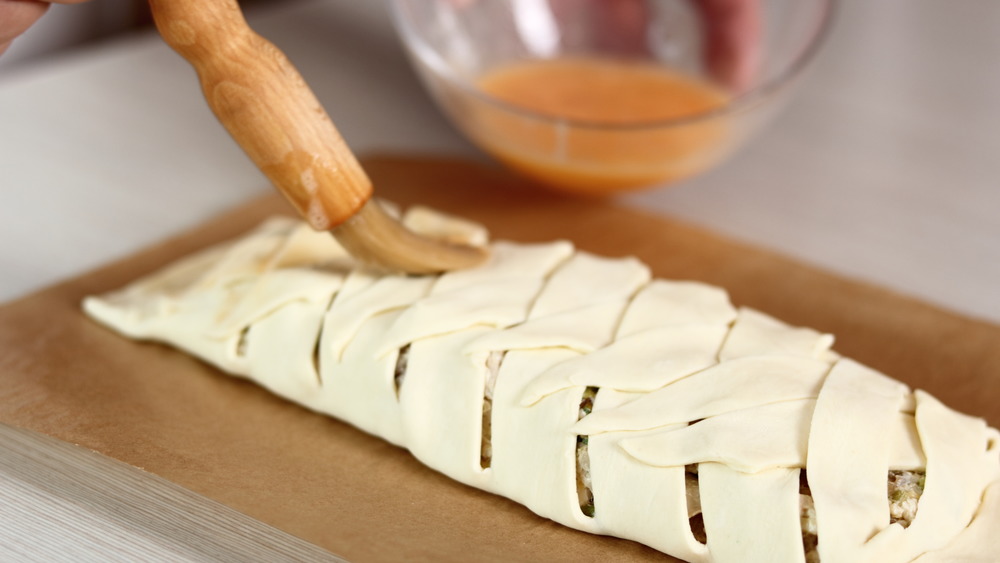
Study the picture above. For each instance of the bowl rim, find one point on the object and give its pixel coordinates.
(738, 103)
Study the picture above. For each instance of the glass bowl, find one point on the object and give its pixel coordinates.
(597, 96)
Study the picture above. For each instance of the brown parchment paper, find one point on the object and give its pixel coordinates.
(321, 480)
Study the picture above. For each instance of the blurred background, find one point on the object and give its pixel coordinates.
(884, 166)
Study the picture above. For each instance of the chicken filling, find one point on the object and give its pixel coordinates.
(694, 502)
(400, 373)
(583, 486)
(905, 488)
(807, 519)
(241, 343)
(493, 362)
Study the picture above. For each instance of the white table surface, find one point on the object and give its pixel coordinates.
(885, 167)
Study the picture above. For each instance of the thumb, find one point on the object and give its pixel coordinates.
(16, 16)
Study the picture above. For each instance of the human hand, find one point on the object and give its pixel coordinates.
(732, 40)
(731, 29)
(16, 16)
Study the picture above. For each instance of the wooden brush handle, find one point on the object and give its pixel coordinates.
(267, 107)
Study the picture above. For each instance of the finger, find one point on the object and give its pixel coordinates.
(616, 27)
(732, 40)
(16, 16)
(622, 25)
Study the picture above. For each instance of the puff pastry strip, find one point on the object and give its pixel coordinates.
(596, 396)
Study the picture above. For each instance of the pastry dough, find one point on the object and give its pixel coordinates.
(596, 396)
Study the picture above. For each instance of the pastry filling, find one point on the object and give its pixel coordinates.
(807, 519)
(493, 362)
(905, 488)
(401, 360)
(693, 494)
(315, 356)
(241, 343)
(583, 486)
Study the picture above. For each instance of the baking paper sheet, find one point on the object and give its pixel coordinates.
(321, 480)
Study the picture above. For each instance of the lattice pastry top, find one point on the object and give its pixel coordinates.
(610, 402)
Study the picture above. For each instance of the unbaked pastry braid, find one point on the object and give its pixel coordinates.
(596, 396)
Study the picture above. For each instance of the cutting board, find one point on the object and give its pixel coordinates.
(336, 487)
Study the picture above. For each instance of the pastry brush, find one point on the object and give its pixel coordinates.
(271, 112)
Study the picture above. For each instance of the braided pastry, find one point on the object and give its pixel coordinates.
(594, 395)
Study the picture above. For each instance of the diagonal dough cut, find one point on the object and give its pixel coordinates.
(724, 387)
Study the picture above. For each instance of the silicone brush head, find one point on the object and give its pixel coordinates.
(378, 240)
